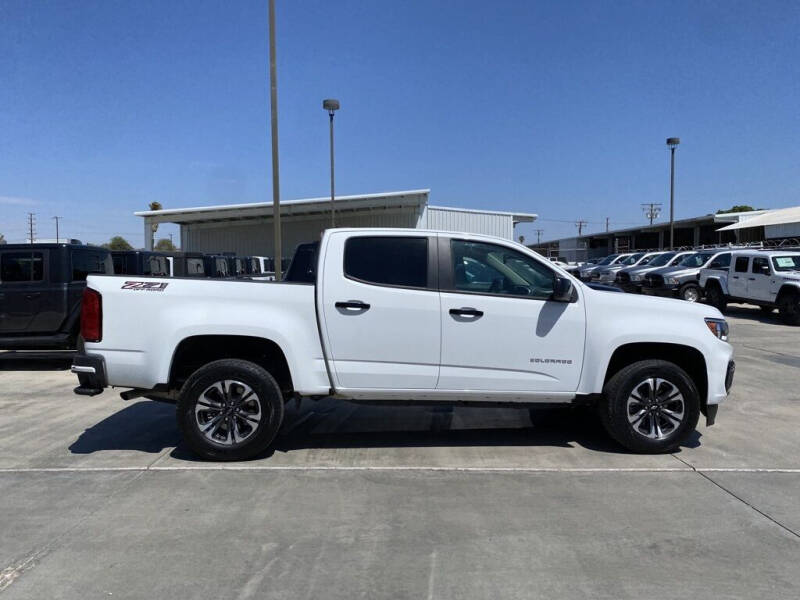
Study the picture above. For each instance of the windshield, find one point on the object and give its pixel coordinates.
(698, 259)
(608, 259)
(661, 259)
(786, 263)
(631, 260)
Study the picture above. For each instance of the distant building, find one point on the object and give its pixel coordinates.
(246, 229)
(720, 228)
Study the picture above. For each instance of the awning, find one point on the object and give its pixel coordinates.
(779, 216)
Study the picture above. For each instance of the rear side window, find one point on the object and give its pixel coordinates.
(87, 263)
(722, 261)
(21, 266)
(741, 264)
(393, 260)
(194, 266)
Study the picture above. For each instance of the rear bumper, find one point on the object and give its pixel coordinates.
(91, 372)
(57, 341)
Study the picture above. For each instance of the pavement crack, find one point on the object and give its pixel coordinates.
(737, 497)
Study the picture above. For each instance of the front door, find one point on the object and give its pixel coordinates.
(759, 281)
(380, 310)
(500, 330)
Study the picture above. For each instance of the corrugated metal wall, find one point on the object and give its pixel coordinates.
(781, 231)
(488, 223)
(254, 237)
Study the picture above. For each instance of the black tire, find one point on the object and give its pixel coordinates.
(618, 407)
(716, 298)
(789, 308)
(236, 415)
(690, 292)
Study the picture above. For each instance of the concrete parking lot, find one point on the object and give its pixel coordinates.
(99, 499)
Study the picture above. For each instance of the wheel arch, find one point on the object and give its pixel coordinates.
(195, 351)
(688, 358)
(786, 288)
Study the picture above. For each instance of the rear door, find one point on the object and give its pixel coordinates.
(500, 330)
(23, 275)
(737, 279)
(380, 310)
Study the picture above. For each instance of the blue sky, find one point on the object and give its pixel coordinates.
(558, 108)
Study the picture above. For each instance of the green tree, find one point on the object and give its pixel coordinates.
(165, 245)
(118, 243)
(738, 208)
(155, 205)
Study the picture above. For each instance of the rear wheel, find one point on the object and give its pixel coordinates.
(650, 406)
(789, 308)
(230, 410)
(690, 292)
(716, 298)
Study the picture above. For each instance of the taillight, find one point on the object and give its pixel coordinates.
(92, 316)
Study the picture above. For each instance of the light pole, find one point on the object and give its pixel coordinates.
(331, 106)
(57, 219)
(672, 143)
(273, 106)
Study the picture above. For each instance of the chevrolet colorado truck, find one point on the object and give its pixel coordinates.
(403, 316)
(769, 279)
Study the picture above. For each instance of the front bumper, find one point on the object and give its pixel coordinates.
(91, 372)
(663, 292)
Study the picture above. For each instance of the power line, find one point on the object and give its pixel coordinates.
(579, 224)
(651, 210)
(57, 218)
(539, 233)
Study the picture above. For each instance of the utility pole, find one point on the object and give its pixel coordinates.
(170, 239)
(579, 224)
(606, 224)
(651, 210)
(57, 238)
(31, 225)
(273, 103)
(539, 236)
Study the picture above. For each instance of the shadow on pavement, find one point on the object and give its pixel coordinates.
(145, 426)
(150, 427)
(754, 313)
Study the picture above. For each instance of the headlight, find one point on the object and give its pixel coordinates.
(637, 277)
(672, 281)
(719, 327)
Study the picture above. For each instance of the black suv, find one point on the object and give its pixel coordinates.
(40, 293)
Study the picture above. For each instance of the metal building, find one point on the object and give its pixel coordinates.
(246, 229)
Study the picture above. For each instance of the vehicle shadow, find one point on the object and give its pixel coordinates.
(36, 361)
(144, 426)
(361, 426)
(754, 313)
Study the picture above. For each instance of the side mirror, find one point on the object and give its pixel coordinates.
(764, 269)
(563, 290)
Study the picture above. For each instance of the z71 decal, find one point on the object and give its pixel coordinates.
(147, 286)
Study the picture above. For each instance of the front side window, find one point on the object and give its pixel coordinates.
(661, 259)
(87, 263)
(741, 264)
(759, 263)
(21, 266)
(401, 261)
(631, 260)
(786, 263)
(484, 268)
(608, 260)
(696, 260)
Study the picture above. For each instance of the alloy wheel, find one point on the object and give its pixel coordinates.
(228, 412)
(655, 408)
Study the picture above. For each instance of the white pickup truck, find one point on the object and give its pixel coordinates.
(404, 316)
(769, 279)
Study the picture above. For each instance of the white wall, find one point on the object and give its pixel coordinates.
(448, 219)
(254, 236)
(781, 231)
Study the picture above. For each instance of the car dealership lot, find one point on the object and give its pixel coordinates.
(98, 498)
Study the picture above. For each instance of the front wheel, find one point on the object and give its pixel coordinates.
(650, 406)
(230, 410)
(690, 292)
